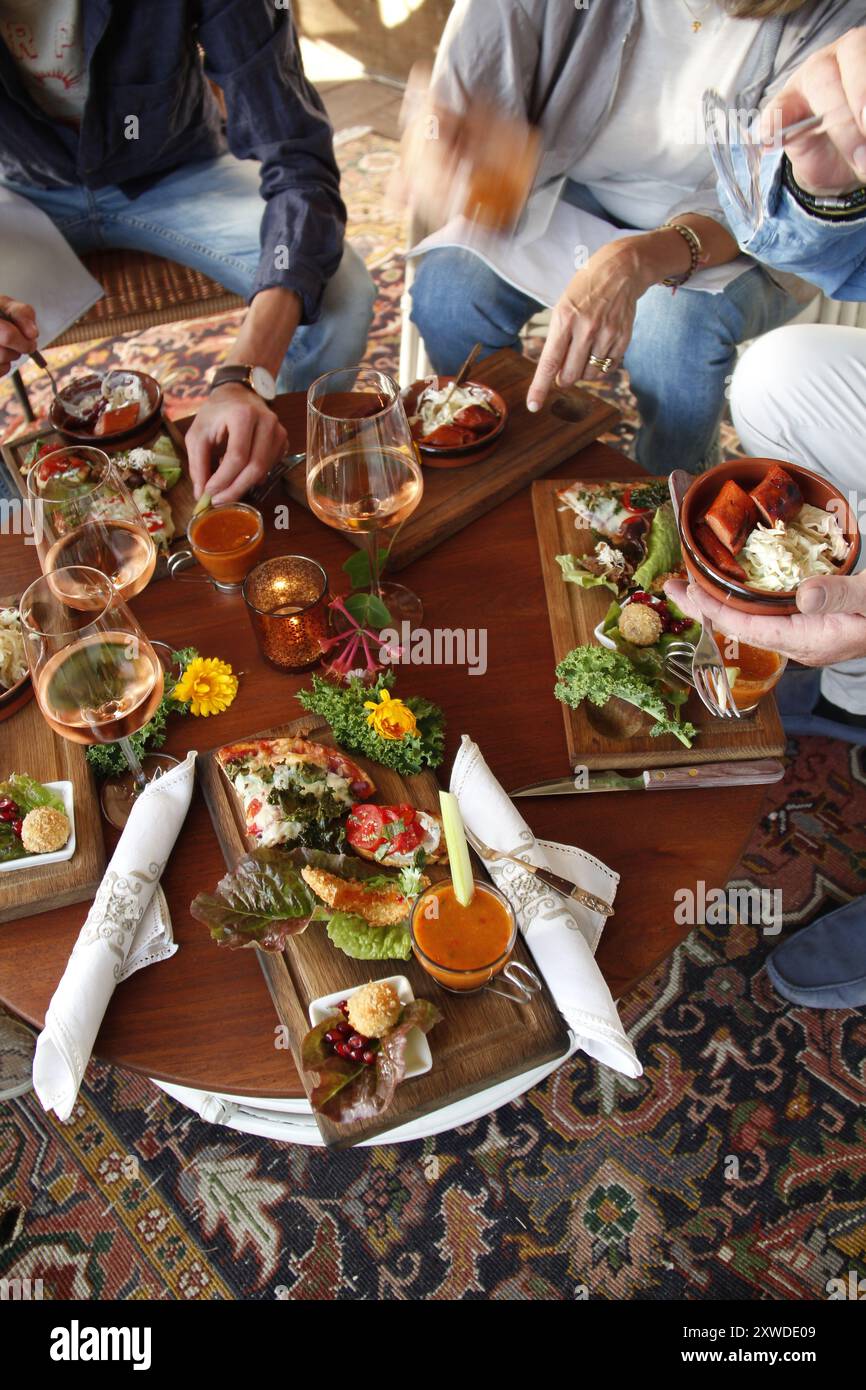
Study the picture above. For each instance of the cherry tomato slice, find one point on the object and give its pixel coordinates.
(364, 827)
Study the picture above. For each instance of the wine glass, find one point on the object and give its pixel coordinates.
(83, 515)
(96, 676)
(737, 148)
(363, 472)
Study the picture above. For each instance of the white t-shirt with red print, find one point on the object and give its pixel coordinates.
(45, 39)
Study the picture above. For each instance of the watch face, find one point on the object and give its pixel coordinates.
(263, 383)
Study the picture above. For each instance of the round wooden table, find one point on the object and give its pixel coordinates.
(204, 1019)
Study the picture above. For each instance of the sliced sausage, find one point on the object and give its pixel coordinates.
(475, 418)
(717, 554)
(777, 496)
(733, 516)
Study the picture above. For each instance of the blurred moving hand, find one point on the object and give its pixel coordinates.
(481, 163)
(18, 337)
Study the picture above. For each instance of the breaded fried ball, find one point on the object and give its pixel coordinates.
(44, 830)
(640, 624)
(374, 1010)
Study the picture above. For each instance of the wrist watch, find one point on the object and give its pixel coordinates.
(257, 379)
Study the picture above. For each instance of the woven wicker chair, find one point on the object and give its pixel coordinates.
(141, 291)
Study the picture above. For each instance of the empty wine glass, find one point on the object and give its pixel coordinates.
(737, 148)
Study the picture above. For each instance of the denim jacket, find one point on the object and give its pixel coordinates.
(832, 255)
(143, 61)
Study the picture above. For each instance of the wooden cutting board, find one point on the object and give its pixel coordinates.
(28, 745)
(482, 1038)
(180, 496)
(574, 615)
(528, 446)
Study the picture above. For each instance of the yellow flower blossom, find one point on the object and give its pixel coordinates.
(208, 684)
(390, 718)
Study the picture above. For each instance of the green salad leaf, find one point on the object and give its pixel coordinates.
(663, 553)
(598, 675)
(27, 793)
(261, 902)
(358, 939)
(573, 572)
(343, 707)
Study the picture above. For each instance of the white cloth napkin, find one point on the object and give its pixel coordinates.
(562, 939)
(127, 927)
(40, 268)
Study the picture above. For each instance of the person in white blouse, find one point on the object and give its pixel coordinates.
(615, 94)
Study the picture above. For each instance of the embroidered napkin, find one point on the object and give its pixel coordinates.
(126, 928)
(562, 937)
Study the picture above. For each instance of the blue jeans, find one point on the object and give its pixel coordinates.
(207, 215)
(680, 359)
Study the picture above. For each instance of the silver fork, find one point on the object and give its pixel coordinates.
(708, 670)
(710, 676)
(678, 660)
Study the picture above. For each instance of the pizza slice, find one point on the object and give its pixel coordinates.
(293, 791)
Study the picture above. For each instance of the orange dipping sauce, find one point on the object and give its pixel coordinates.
(759, 671)
(227, 541)
(462, 947)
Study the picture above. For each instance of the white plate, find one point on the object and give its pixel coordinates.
(64, 790)
(419, 1058)
(601, 636)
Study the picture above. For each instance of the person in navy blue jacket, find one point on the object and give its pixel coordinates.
(109, 121)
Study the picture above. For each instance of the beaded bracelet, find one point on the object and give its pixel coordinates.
(696, 252)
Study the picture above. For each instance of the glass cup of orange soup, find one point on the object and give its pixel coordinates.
(463, 947)
(758, 672)
(227, 541)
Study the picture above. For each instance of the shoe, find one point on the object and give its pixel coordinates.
(824, 965)
(804, 711)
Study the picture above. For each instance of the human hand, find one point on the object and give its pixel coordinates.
(831, 83)
(829, 627)
(241, 427)
(480, 162)
(20, 336)
(594, 316)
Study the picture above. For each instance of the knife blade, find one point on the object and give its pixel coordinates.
(566, 887)
(743, 774)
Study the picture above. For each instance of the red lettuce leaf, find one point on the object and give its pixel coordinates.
(261, 902)
(349, 1091)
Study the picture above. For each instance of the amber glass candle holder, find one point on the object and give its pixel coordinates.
(287, 600)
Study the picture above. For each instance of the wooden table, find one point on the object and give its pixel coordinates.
(204, 1019)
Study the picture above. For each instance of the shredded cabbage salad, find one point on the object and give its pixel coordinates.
(432, 411)
(13, 662)
(779, 557)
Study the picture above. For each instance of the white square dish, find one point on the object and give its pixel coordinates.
(419, 1058)
(29, 861)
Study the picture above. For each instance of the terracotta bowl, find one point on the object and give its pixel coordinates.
(147, 424)
(744, 598)
(448, 451)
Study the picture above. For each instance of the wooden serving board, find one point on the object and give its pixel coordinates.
(528, 446)
(574, 615)
(482, 1038)
(28, 745)
(181, 496)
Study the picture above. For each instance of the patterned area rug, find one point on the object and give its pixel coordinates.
(734, 1168)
